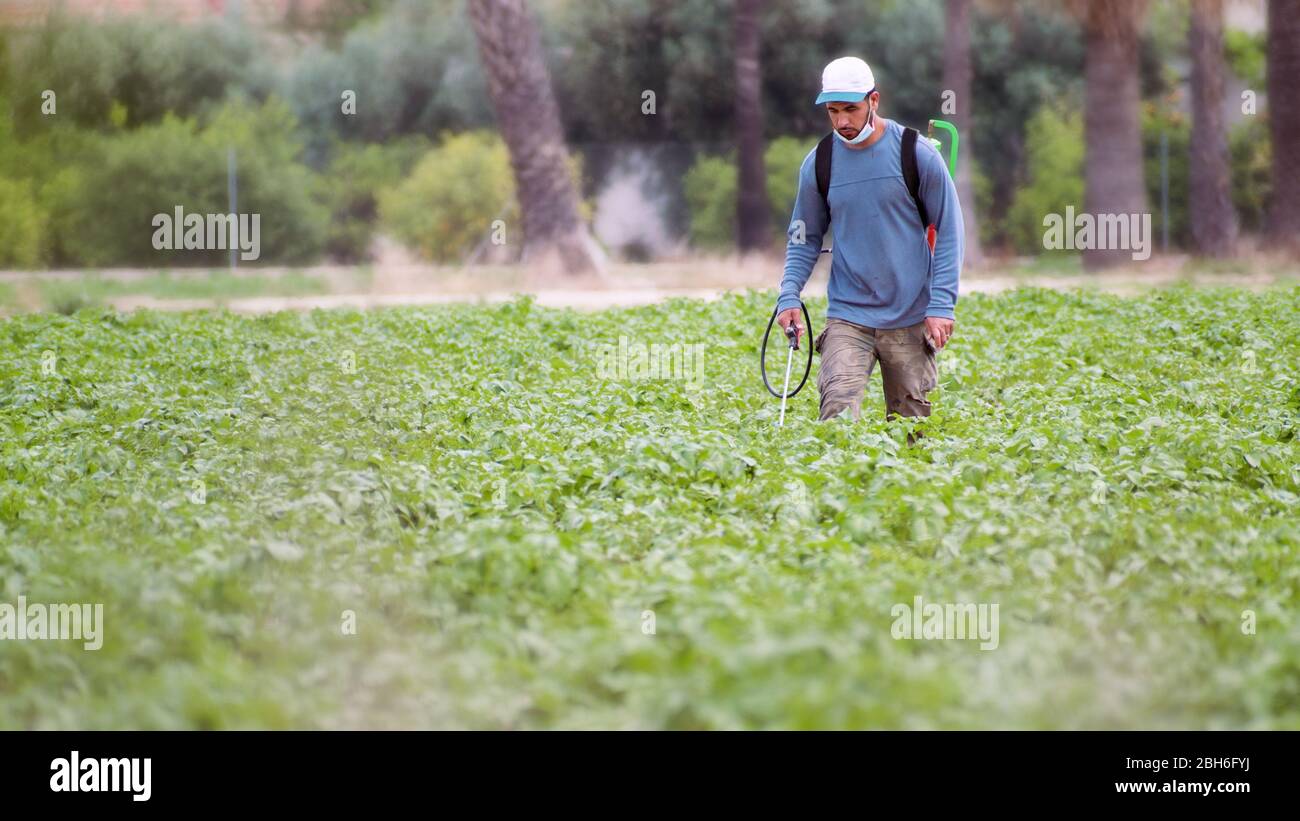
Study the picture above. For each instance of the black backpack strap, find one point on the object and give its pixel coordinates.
(824, 167)
(911, 176)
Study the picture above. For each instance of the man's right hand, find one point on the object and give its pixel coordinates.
(788, 317)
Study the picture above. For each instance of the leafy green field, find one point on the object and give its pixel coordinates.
(1119, 476)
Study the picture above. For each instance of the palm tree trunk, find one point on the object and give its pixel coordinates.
(519, 85)
(1284, 122)
(958, 75)
(1213, 218)
(752, 212)
(1112, 118)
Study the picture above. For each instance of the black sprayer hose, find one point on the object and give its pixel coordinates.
(762, 356)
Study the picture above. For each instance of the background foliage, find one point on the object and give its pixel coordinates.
(416, 77)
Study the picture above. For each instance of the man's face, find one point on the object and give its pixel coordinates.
(850, 118)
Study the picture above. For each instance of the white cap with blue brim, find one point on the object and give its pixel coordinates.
(846, 80)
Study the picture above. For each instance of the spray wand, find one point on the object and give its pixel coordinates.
(792, 338)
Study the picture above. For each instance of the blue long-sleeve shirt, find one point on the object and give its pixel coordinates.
(880, 269)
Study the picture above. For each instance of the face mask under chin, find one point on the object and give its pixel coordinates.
(864, 134)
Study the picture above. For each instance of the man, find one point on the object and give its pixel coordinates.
(889, 301)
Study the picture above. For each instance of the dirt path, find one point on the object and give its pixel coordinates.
(398, 283)
(551, 298)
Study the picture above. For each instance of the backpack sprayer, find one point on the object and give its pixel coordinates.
(952, 165)
(952, 155)
(823, 166)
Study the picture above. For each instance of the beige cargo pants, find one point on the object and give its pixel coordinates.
(848, 355)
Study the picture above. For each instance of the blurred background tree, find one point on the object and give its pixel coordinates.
(359, 172)
(519, 84)
(1113, 178)
(446, 206)
(959, 78)
(139, 67)
(1054, 176)
(752, 224)
(1284, 121)
(183, 162)
(413, 70)
(1212, 216)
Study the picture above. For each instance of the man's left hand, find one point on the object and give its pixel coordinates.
(940, 329)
